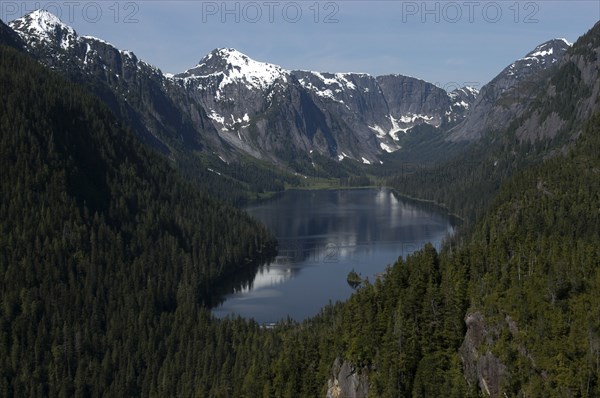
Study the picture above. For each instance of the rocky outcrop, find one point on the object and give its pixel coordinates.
(481, 367)
(347, 382)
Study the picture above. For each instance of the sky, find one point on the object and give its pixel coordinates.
(449, 43)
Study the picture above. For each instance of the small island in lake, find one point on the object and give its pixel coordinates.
(354, 279)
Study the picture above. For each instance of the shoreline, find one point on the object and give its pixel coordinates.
(316, 187)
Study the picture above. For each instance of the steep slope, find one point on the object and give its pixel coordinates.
(209, 119)
(510, 309)
(135, 90)
(229, 104)
(549, 119)
(342, 115)
(533, 324)
(158, 111)
(9, 38)
(88, 216)
(510, 92)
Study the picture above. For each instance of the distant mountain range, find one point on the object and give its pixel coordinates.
(230, 105)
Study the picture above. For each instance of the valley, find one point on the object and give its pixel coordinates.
(168, 234)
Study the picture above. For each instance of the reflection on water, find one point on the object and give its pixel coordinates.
(322, 236)
(268, 276)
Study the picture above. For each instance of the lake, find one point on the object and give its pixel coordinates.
(323, 235)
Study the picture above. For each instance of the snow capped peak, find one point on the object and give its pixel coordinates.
(543, 56)
(45, 27)
(235, 66)
(45, 19)
(568, 43)
(548, 48)
(231, 54)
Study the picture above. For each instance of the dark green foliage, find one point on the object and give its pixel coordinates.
(469, 181)
(536, 258)
(105, 253)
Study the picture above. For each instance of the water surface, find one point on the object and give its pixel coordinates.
(322, 236)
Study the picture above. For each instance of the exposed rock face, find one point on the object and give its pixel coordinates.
(135, 90)
(230, 104)
(346, 382)
(510, 93)
(484, 369)
(264, 109)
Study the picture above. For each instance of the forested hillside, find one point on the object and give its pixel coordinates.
(106, 255)
(564, 99)
(101, 242)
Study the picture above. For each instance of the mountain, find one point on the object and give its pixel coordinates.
(544, 96)
(96, 227)
(233, 106)
(135, 90)
(509, 93)
(141, 96)
(229, 108)
(538, 117)
(342, 115)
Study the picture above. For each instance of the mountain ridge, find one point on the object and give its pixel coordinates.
(485, 115)
(230, 105)
(317, 93)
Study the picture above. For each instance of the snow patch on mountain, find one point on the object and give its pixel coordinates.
(396, 128)
(463, 91)
(542, 55)
(92, 38)
(387, 148)
(45, 27)
(343, 156)
(337, 79)
(240, 68)
(413, 117)
(393, 132)
(378, 131)
(568, 43)
(327, 93)
(217, 118)
(327, 85)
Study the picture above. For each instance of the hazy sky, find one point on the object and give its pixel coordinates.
(447, 43)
